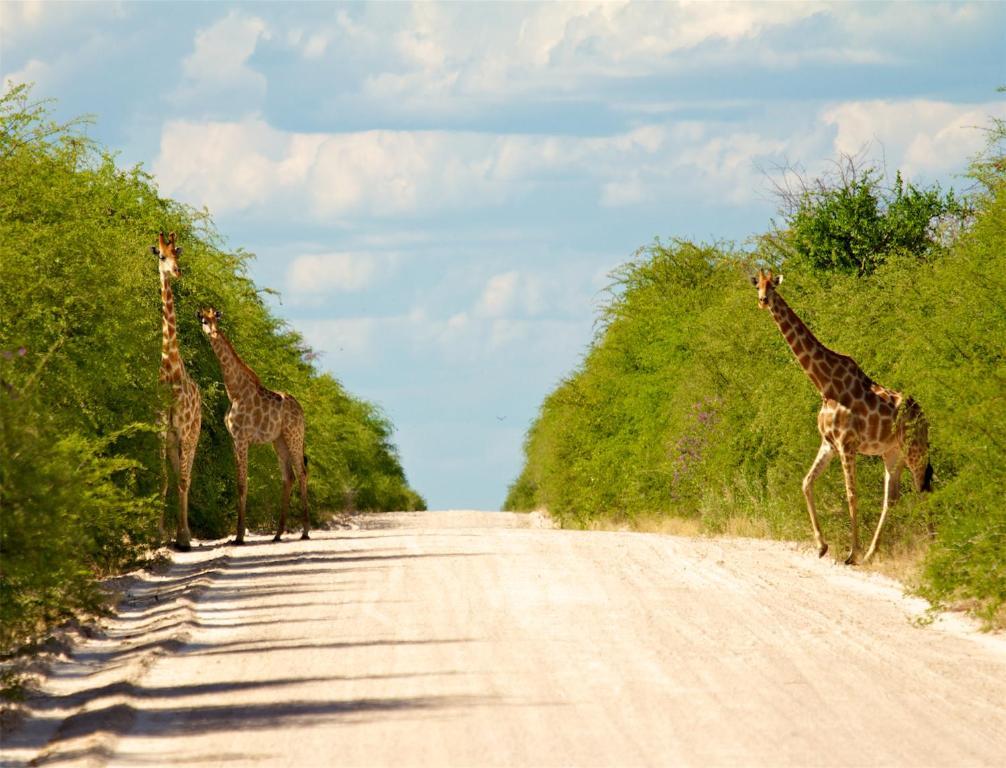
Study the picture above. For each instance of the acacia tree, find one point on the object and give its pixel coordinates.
(848, 221)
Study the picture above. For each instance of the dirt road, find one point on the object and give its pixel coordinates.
(463, 638)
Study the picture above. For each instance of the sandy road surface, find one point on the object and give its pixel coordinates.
(472, 639)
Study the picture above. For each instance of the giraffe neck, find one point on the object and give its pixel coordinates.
(172, 367)
(240, 381)
(829, 371)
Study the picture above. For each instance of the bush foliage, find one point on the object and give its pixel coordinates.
(848, 221)
(689, 403)
(80, 332)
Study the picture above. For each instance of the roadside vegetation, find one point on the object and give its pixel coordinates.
(80, 336)
(689, 406)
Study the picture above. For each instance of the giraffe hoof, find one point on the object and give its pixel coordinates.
(823, 550)
(277, 537)
(236, 542)
(304, 535)
(851, 559)
(183, 546)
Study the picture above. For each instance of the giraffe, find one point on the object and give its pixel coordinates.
(857, 416)
(259, 415)
(181, 421)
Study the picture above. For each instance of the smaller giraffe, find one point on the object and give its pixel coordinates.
(180, 423)
(857, 416)
(259, 415)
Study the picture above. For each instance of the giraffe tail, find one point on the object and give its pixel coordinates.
(927, 481)
(305, 465)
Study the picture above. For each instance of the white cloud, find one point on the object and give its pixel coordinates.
(499, 294)
(455, 51)
(223, 49)
(217, 74)
(34, 71)
(530, 314)
(235, 165)
(727, 165)
(22, 20)
(314, 47)
(343, 337)
(876, 20)
(513, 292)
(30, 11)
(459, 338)
(625, 191)
(332, 177)
(327, 272)
(228, 165)
(18, 18)
(921, 137)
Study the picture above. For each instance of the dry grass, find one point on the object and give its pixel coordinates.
(740, 527)
(670, 526)
(901, 561)
(748, 528)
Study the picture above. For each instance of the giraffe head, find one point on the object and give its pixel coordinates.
(766, 283)
(920, 467)
(168, 253)
(208, 319)
(914, 431)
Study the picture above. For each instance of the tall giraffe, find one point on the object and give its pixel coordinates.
(182, 419)
(857, 416)
(259, 415)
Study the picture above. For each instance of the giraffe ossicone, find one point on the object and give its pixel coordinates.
(857, 416)
(259, 415)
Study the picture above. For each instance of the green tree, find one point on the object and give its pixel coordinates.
(849, 222)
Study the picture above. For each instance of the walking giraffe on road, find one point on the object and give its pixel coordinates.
(259, 415)
(857, 416)
(181, 421)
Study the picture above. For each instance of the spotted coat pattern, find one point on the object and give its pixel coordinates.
(259, 415)
(857, 416)
(181, 422)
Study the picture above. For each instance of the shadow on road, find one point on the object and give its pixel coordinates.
(159, 617)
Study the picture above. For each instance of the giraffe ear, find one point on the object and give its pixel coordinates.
(155, 250)
(777, 280)
(753, 279)
(178, 251)
(219, 315)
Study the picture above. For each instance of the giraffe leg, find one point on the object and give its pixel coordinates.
(183, 539)
(301, 467)
(849, 468)
(170, 447)
(893, 465)
(294, 437)
(286, 470)
(303, 495)
(165, 481)
(241, 459)
(824, 456)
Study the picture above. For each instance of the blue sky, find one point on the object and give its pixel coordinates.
(440, 191)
